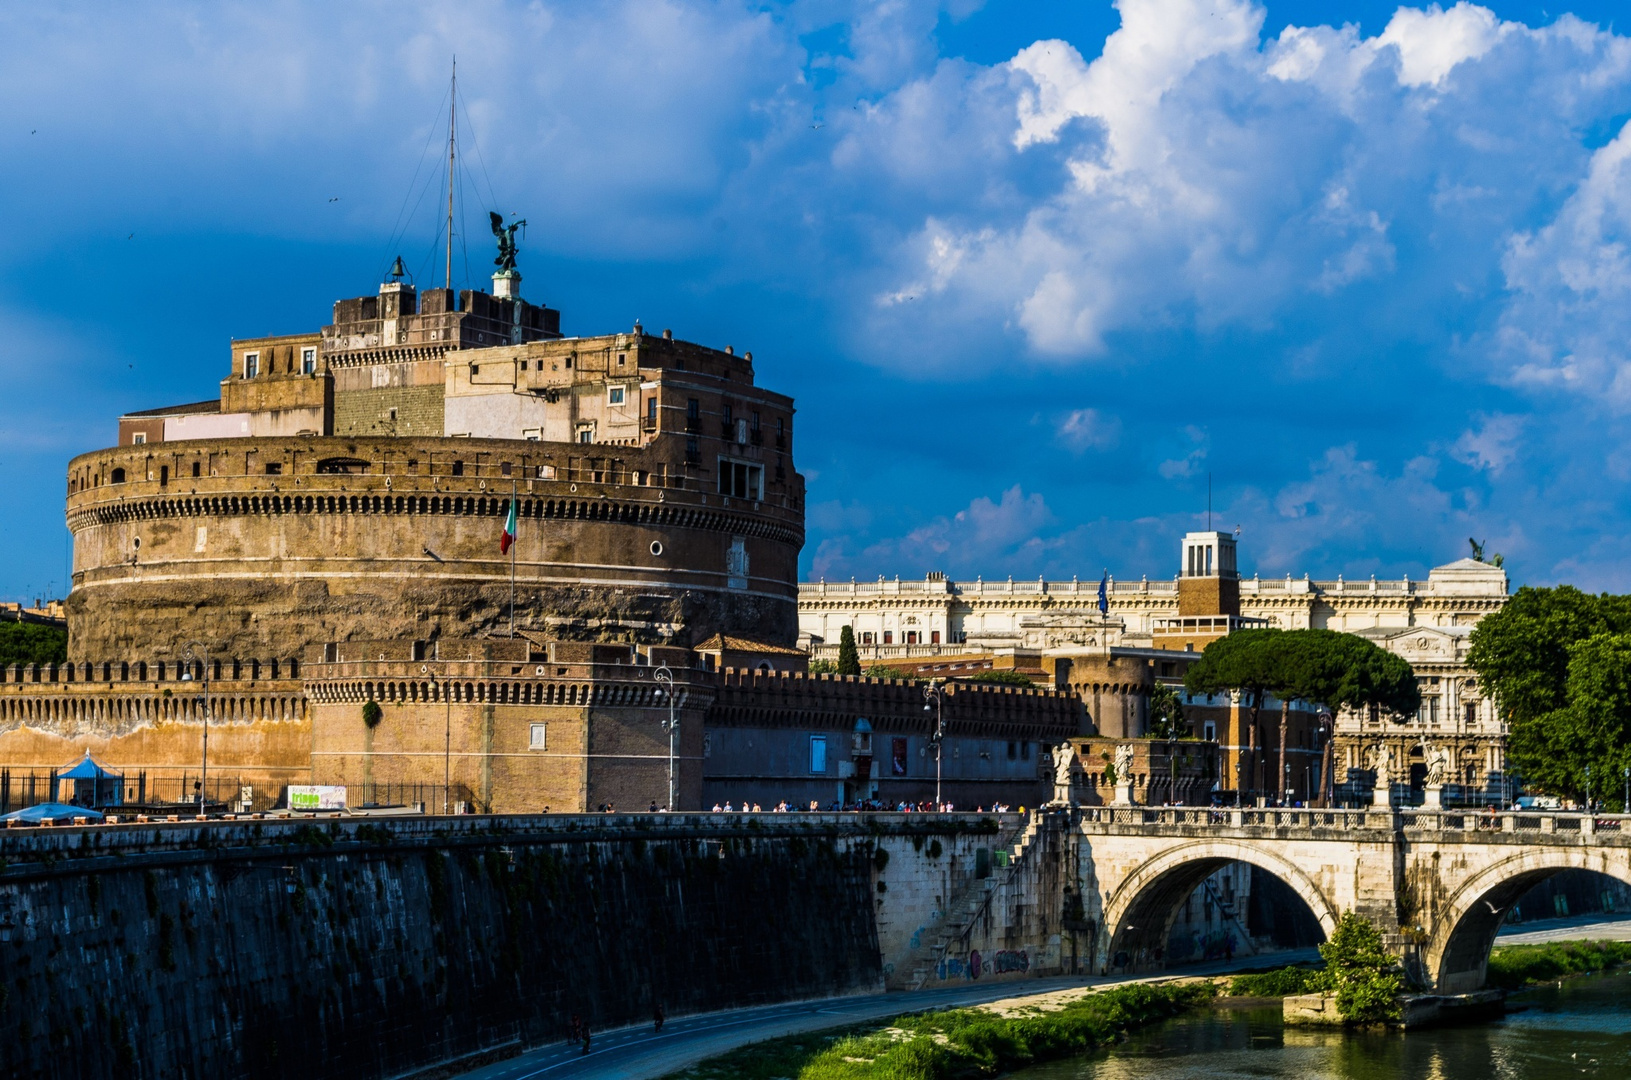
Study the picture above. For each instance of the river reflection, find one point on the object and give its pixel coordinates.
(1582, 1027)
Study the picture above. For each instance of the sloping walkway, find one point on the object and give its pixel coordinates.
(1573, 928)
(638, 1053)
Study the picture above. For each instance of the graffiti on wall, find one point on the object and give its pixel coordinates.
(1003, 962)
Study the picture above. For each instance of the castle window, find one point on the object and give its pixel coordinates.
(117, 476)
(308, 361)
(586, 435)
(523, 365)
(934, 637)
(888, 637)
(504, 469)
(620, 359)
(614, 395)
(866, 637)
(252, 364)
(458, 468)
(911, 637)
(274, 468)
(139, 438)
(195, 468)
(741, 480)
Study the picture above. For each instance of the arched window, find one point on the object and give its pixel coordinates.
(117, 476)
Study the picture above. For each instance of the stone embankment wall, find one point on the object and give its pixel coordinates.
(359, 949)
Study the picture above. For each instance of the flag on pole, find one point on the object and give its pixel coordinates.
(508, 538)
(1104, 594)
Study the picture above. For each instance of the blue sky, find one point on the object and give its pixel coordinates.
(1033, 271)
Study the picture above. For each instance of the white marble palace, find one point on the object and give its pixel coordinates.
(1427, 622)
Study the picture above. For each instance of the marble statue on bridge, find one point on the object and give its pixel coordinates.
(1064, 766)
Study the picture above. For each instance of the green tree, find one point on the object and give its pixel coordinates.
(1522, 651)
(823, 667)
(1365, 976)
(31, 643)
(1558, 663)
(1247, 663)
(849, 660)
(1321, 666)
(1167, 713)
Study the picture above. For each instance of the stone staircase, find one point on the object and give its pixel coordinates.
(964, 908)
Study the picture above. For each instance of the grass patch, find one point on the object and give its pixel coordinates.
(954, 1044)
(1281, 982)
(1511, 966)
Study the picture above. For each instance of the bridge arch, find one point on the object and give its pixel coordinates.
(1456, 955)
(1140, 912)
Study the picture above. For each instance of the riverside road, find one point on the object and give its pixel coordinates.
(639, 1053)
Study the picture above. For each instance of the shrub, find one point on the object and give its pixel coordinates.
(1514, 965)
(372, 714)
(1004, 678)
(1282, 982)
(1364, 975)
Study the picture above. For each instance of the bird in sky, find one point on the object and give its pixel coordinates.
(132, 236)
(335, 199)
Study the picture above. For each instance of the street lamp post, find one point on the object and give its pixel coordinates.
(1625, 806)
(186, 676)
(934, 697)
(665, 686)
(1588, 789)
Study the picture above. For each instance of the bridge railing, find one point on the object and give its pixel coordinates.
(1408, 820)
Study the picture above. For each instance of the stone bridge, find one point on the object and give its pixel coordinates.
(1436, 883)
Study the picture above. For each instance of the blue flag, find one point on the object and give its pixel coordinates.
(1104, 594)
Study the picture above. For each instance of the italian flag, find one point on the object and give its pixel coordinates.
(508, 538)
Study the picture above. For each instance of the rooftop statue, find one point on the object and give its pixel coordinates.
(506, 240)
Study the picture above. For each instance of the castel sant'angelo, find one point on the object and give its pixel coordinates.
(437, 548)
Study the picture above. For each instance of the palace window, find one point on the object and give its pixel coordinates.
(1470, 711)
(614, 395)
(888, 637)
(308, 361)
(866, 635)
(911, 637)
(934, 637)
(252, 364)
(139, 438)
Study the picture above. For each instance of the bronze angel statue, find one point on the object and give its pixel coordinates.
(506, 240)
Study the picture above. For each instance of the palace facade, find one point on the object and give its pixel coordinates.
(1153, 629)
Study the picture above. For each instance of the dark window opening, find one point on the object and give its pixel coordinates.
(196, 468)
(504, 469)
(274, 468)
(117, 476)
(934, 637)
(331, 466)
(1013, 751)
(458, 468)
(888, 637)
(164, 475)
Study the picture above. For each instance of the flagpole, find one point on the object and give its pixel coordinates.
(512, 556)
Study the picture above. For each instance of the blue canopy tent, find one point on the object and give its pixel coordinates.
(52, 813)
(94, 785)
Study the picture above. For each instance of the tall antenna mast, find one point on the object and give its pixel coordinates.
(452, 117)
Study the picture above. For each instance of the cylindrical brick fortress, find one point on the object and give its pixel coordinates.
(270, 546)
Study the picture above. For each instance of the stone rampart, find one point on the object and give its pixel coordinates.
(273, 545)
(362, 949)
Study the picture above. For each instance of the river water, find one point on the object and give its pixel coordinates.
(1581, 1027)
